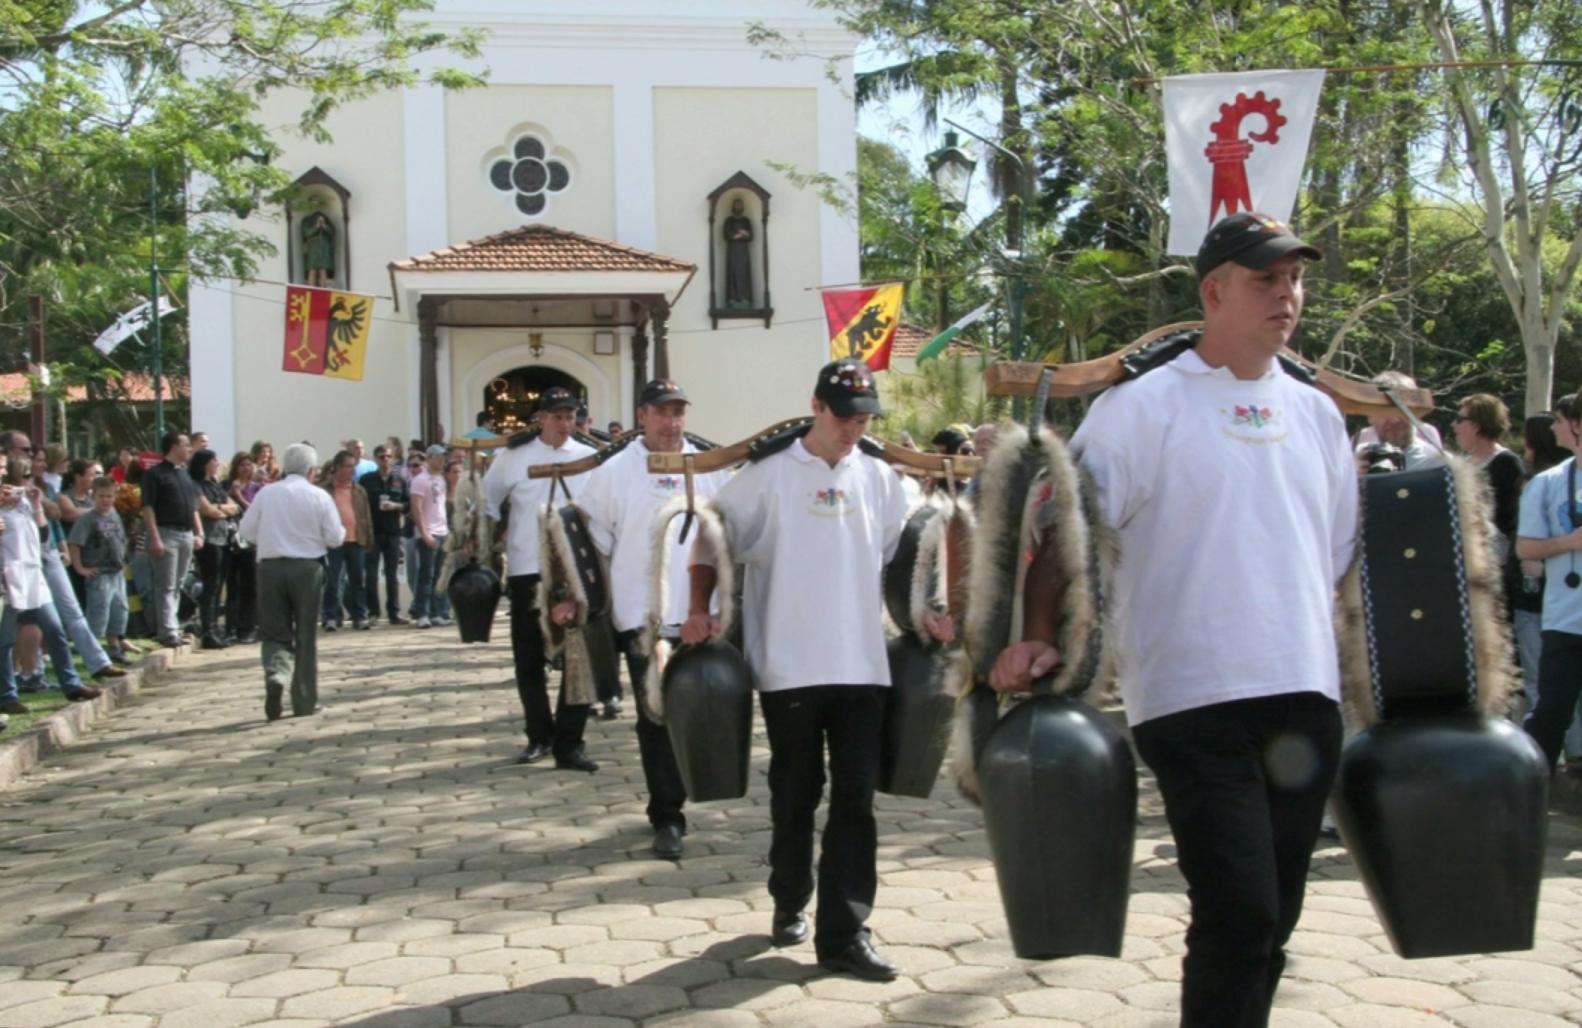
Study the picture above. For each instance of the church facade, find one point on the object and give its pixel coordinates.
(616, 204)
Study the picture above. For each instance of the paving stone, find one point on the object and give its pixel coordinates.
(285, 984)
(1398, 992)
(452, 989)
(45, 1013)
(1508, 1017)
(166, 999)
(220, 1013)
(631, 1001)
(1080, 1005)
(397, 971)
(948, 1008)
(822, 1013)
(338, 1004)
(513, 1009)
(127, 980)
(348, 955)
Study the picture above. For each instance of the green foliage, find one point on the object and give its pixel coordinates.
(944, 391)
(128, 123)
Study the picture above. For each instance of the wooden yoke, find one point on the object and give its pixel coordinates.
(932, 465)
(1084, 378)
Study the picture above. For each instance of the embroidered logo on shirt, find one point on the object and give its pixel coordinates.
(667, 483)
(830, 503)
(1252, 423)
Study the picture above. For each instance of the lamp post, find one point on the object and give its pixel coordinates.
(1015, 288)
(157, 370)
(950, 167)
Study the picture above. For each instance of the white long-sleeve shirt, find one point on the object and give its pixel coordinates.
(507, 479)
(292, 518)
(1236, 503)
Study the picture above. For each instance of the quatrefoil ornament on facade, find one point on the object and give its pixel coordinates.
(530, 174)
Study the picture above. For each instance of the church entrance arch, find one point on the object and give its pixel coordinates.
(511, 397)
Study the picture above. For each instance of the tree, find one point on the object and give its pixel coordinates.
(1522, 150)
(131, 123)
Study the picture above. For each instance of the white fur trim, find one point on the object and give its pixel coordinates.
(709, 531)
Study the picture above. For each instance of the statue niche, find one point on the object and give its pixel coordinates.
(317, 241)
(739, 251)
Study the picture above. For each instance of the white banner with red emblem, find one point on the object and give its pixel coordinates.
(1235, 142)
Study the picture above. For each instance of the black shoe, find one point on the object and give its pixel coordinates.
(361, 626)
(861, 960)
(13, 707)
(397, 619)
(330, 626)
(790, 928)
(173, 642)
(318, 709)
(214, 642)
(667, 842)
(534, 753)
(611, 710)
(576, 760)
(109, 671)
(83, 693)
(272, 697)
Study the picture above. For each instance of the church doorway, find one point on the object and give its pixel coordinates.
(512, 398)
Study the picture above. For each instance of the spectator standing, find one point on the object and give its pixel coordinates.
(430, 527)
(98, 553)
(124, 458)
(348, 559)
(76, 499)
(1542, 451)
(388, 500)
(170, 516)
(216, 509)
(241, 570)
(292, 525)
(267, 468)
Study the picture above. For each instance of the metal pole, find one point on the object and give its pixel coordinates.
(153, 298)
(38, 424)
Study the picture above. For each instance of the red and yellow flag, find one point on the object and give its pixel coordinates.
(862, 322)
(327, 332)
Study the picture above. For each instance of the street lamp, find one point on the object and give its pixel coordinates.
(1015, 287)
(951, 169)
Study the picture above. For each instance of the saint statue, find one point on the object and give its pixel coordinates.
(318, 250)
(738, 257)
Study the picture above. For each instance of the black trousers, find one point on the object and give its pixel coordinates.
(563, 729)
(1559, 684)
(211, 572)
(801, 722)
(666, 794)
(241, 591)
(388, 548)
(1244, 786)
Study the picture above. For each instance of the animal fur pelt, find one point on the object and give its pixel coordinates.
(709, 531)
(1492, 647)
(930, 578)
(1027, 483)
(558, 579)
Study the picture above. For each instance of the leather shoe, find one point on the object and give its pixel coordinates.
(534, 753)
(272, 704)
(789, 928)
(667, 842)
(109, 671)
(861, 960)
(82, 693)
(576, 760)
(397, 619)
(13, 707)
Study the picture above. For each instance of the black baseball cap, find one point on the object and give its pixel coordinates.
(848, 388)
(661, 390)
(1252, 240)
(558, 398)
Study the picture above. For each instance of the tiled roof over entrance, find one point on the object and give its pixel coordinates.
(540, 248)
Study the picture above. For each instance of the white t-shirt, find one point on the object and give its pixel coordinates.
(1236, 503)
(507, 479)
(621, 499)
(813, 541)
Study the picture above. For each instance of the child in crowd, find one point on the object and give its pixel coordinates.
(98, 554)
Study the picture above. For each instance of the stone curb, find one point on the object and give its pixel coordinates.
(68, 725)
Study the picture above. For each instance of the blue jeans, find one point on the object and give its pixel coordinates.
(54, 642)
(107, 604)
(70, 613)
(347, 557)
(425, 598)
(387, 547)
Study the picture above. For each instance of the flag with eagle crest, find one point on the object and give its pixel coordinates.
(327, 332)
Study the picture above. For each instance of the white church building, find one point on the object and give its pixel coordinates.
(563, 225)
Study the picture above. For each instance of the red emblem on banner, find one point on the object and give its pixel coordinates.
(1228, 152)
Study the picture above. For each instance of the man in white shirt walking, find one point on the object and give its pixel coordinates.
(506, 483)
(813, 526)
(1232, 488)
(293, 524)
(621, 500)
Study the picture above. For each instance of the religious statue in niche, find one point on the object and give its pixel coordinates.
(318, 250)
(738, 257)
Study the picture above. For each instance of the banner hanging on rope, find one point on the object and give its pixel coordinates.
(327, 332)
(1235, 142)
(862, 323)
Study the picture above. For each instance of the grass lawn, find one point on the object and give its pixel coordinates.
(42, 704)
